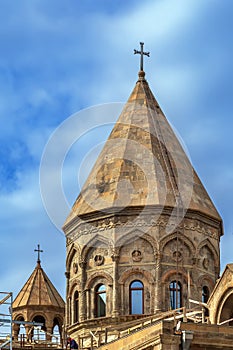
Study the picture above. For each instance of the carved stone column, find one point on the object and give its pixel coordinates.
(115, 297)
(68, 316)
(83, 315)
(49, 331)
(16, 329)
(122, 299)
(158, 284)
(88, 303)
(29, 334)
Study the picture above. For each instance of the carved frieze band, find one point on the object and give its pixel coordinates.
(141, 224)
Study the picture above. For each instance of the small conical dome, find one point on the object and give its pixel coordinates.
(38, 291)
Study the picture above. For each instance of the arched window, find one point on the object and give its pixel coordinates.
(56, 331)
(76, 307)
(205, 294)
(136, 292)
(39, 333)
(56, 335)
(100, 300)
(175, 295)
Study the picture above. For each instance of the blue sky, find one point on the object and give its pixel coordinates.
(59, 57)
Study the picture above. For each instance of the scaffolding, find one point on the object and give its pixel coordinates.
(6, 300)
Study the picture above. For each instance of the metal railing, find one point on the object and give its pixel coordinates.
(93, 340)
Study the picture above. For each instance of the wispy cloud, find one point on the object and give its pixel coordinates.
(59, 57)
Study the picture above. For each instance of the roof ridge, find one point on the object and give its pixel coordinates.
(52, 289)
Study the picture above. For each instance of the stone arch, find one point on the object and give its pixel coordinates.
(76, 285)
(182, 237)
(92, 243)
(73, 250)
(72, 305)
(136, 249)
(148, 282)
(39, 313)
(205, 286)
(205, 279)
(179, 277)
(97, 279)
(16, 327)
(208, 244)
(136, 271)
(98, 275)
(41, 318)
(19, 317)
(169, 274)
(130, 237)
(224, 308)
(57, 322)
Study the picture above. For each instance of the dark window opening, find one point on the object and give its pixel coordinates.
(76, 307)
(205, 294)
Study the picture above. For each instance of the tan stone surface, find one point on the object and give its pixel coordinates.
(161, 337)
(142, 163)
(139, 171)
(38, 290)
(221, 299)
(156, 337)
(38, 299)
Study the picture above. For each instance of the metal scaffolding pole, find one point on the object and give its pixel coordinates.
(6, 300)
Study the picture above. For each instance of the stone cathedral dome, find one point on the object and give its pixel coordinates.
(143, 235)
(142, 163)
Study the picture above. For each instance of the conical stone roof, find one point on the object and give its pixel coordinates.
(38, 291)
(142, 164)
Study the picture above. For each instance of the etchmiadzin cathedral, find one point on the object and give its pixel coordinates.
(142, 240)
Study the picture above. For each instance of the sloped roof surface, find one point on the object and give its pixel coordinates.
(38, 291)
(142, 163)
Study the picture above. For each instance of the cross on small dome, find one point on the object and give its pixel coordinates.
(38, 250)
(142, 53)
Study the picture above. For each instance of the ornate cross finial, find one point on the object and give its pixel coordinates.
(141, 53)
(38, 250)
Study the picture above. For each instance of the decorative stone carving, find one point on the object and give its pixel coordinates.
(75, 267)
(136, 255)
(206, 263)
(177, 255)
(130, 222)
(99, 260)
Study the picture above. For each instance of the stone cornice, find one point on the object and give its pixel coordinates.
(129, 219)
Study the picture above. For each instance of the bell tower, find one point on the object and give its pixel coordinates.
(38, 301)
(143, 235)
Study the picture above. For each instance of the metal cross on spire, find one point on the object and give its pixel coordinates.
(141, 53)
(38, 250)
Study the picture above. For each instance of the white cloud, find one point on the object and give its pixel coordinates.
(55, 61)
